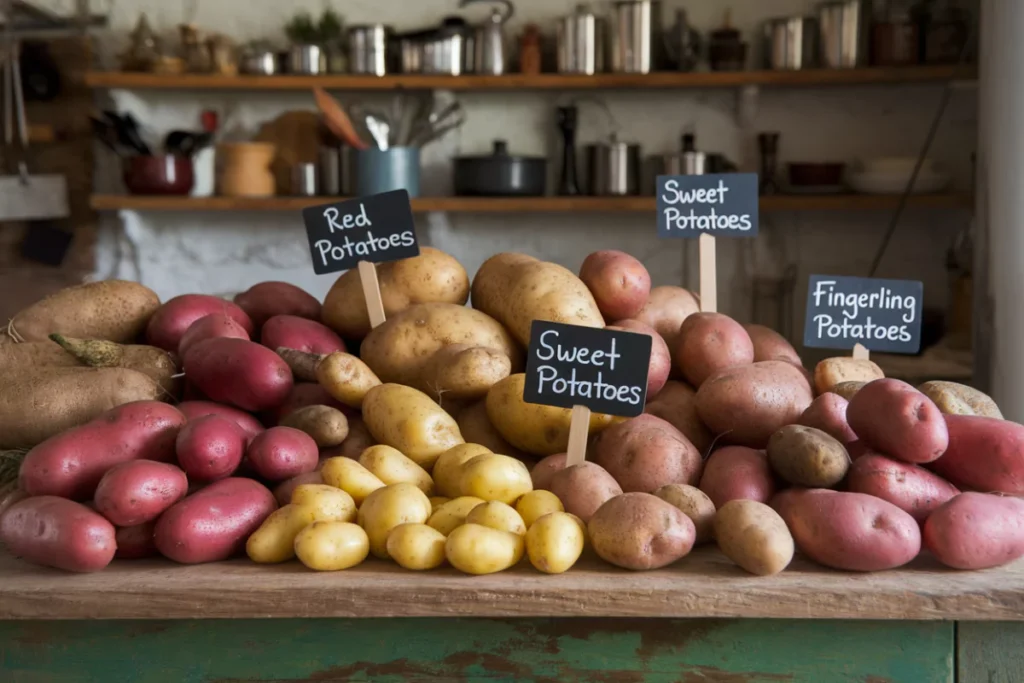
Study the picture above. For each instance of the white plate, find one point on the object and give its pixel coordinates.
(868, 183)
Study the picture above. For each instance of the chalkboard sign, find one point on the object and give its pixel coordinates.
(722, 205)
(604, 370)
(883, 315)
(375, 229)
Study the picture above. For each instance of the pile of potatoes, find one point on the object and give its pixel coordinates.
(278, 427)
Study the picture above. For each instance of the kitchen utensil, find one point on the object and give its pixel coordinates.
(768, 144)
(329, 168)
(816, 174)
(127, 131)
(438, 124)
(186, 143)
(380, 129)
(791, 43)
(530, 50)
(368, 49)
(726, 49)
(613, 168)
(410, 48)
(245, 169)
(500, 174)
(223, 55)
(305, 180)
(692, 161)
(567, 119)
(396, 168)
(490, 48)
(637, 40)
(308, 60)
(844, 33)
(258, 59)
(684, 43)
(349, 171)
(895, 37)
(204, 172)
(448, 49)
(163, 174)
(337, 120)
(103, 131)
(581, 40)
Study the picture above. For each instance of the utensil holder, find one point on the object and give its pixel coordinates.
(244, 169)
(397, 168)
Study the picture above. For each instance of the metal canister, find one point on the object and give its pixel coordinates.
(309, 60)
(613, 168)
(368, 49)
(844, 34)
(791, 43)
(329, 161)
(581, 38)
(305, 179)
(637, 40)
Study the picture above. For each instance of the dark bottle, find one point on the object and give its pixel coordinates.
(568, 118)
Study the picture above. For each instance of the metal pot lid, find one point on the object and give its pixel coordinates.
(499, 151)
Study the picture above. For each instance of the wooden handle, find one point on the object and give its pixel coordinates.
(860, 352)
(579, 429)
(708, 274)
(371, 292)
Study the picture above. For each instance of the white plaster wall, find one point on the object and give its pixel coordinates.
(224, 253)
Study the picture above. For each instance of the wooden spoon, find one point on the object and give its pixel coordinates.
(337, 120)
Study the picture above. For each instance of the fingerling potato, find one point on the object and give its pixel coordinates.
(391, 467)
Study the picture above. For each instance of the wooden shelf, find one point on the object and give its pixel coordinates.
(705, 584)
(668, 79)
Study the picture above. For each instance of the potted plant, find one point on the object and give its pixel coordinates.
(316, 43)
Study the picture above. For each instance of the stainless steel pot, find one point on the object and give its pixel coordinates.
(581, 39)
(449, 49)
(637, 39)
(309, 60)
(612, 168)
(258, 61)
(791, 43)
(490, 47)
(368, 49)
(844, 33)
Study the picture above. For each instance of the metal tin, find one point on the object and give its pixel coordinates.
(259, 62)
(329, 162)
(305, 180)
(380, 171)
(791, 43)
(637, 38)
(368, 49)
(581, 38)
(307, 59)
(844, 34)
(613, 169)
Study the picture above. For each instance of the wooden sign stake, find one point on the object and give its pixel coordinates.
(371, 292)
(708, 274)
(579, 429)
(860, 352)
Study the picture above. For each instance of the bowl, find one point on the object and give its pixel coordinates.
(163, 174)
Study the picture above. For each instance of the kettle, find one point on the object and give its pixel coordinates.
(490, 48)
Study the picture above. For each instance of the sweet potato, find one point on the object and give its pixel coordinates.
(210, 327)
(170, 322)
(210, 447)
(301, 334)
(911, 488)
(660, 366)
(737, 473)
(708, 343)
(677, 404)
(56, 532)
(138, 491)
(619, 282)
(896, 419)
(238, 372)
(264, 300)
(984, 453)
(194, 410)
(976, 531)
(666, 309)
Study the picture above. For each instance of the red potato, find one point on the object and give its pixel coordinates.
(210, 327)
(666, 309)
(896, 419)
(661, 361)
(56, 532)
(544, 471)
(283, 491)
(139, 491)
(240, 373)
(170, 322)
(72, 463)
(737, 473)
(193, 410)
(911, 488)
(213, 523)
(677, 404)
(645, 453)
(828, 413)
(584, 488)
(293, 332)
(305, 394)
(984, 453)
(264, 300)
(850, 531)
(708, 343)
(136, 542)
(976, 531)
(282, 453)
(210, 448)
(770, 345)
(619, 282)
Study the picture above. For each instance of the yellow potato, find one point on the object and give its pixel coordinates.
(555, 542)
(832, 371)
(535, 504)
(477, 549)
(453, 513)
(386, 508)
(448, 468)
(346, 378)
(495, 477)
(497, 516)
(416, 546)
(351, 477)
(436, 502)
(583, 527)
(391, 467)
(274, 541)
(330, 502)
(754, 536)
(331, 546)
(410, 421)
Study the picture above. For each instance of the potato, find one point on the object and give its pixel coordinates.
(386, 508)
(274, 541)
(476, 428)
(460, 372)
(346, 378)
(619, 282)
(476, 549)
(170, 322)
(328, 500)
(497, 515)
(357, 441)
(804, 456)
(959, 399)
(708, 343)
(326, 426)
(747, 404)
(301, 334)
(436, 502)
(193, 410)
(210, 326)
(544, 471)
(833, 371)
(985, 454)
(666, 309)
(895, 418)
(534, 428)
(302, 364)
(332, 546)
(416, 546)
(115, 310)
(56, 532)
(849, 531)
(495, 477)
(391, 467)
(677, 404)
(535, 504)
(754, 536)
(911, 488)
(646, 453)
(554, 543)
(847, 390)
(770, 345)
(240, 373)
(281, 453)
(283, 491)
(976, 531)
(157, 364)
(452, 514)
(448, 467)
(584, 488)
(138, 491)
(71, 464)
(210, 448)
(351, 477)
(303, 395)
(737, 473)
(264, 300)
(640, 531)
(828, 413)
(135, 542)
(213, 523)
(408, 420)
(660, 365)
(695, 504)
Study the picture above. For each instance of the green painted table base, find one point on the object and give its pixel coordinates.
(492, 650)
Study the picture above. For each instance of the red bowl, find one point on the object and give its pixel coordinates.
(159, 175)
